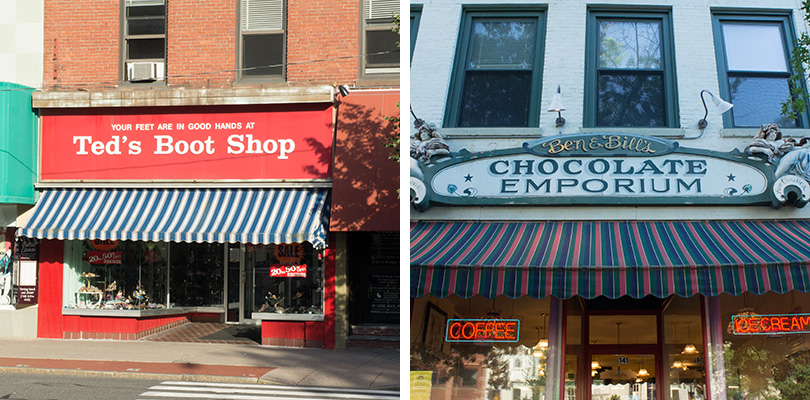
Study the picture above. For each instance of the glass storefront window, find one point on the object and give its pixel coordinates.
(574, 349)
(761, 362)
(129, 275)
(684, 358)
(288, 278)
(196, 274)
(115, 275)
(480, 370)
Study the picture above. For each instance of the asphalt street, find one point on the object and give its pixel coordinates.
(36, 386)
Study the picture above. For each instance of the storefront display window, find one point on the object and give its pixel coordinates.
(130, 275)
(288, 278)
(684, 355)
(574, 349)
(486, 369)
(115, 275)
(766, 348)
(196, 274)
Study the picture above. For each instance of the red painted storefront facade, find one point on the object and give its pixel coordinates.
(66, 161)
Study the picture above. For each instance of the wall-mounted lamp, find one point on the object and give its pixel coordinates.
(722, 106)
(344, 90)
(557, 106)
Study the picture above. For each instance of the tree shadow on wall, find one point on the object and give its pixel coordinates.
(365, 180)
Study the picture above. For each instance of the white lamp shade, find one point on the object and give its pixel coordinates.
(556, 103)
(722, 105)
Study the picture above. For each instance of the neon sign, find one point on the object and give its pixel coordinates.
(770, 324)
(483, 330)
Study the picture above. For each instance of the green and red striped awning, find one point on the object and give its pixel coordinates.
(613, 259)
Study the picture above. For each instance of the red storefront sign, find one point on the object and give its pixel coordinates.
(188, 143)
(773, 324)
(482, 330)
(104, 257)
(288, 271)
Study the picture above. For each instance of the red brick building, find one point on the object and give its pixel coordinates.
(199, 163)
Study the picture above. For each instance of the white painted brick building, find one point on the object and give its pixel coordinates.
(485, 249)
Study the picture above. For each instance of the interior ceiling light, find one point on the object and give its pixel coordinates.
(543, 342)
(689, 348)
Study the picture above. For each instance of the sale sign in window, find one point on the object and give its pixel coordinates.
(288, 271)
(104, 257)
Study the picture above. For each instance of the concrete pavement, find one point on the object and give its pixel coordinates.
(366, 368)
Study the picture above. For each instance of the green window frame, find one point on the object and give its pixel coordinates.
(472, 100)
(745, 73)
(416, 17)
(621, 55)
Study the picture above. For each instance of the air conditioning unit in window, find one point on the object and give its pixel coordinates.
(145, 71)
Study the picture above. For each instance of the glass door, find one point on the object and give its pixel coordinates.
(234, 283)
(623, 354)
(623, 376)
(248, 286)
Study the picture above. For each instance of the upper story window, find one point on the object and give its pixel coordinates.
(144, 40)
(261, 39)
(416, 16)
(630, 70)
(497, 72)
(753, 66)
(380, 42)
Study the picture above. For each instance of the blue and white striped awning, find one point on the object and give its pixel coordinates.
(182, 215)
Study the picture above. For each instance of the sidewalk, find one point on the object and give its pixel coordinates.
(238, 363)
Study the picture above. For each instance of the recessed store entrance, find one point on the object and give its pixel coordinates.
(239, 286)
(634, 349)
(628, 374)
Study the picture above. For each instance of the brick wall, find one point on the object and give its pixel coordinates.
(82, 42)
(201, 42)
(327, 31)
